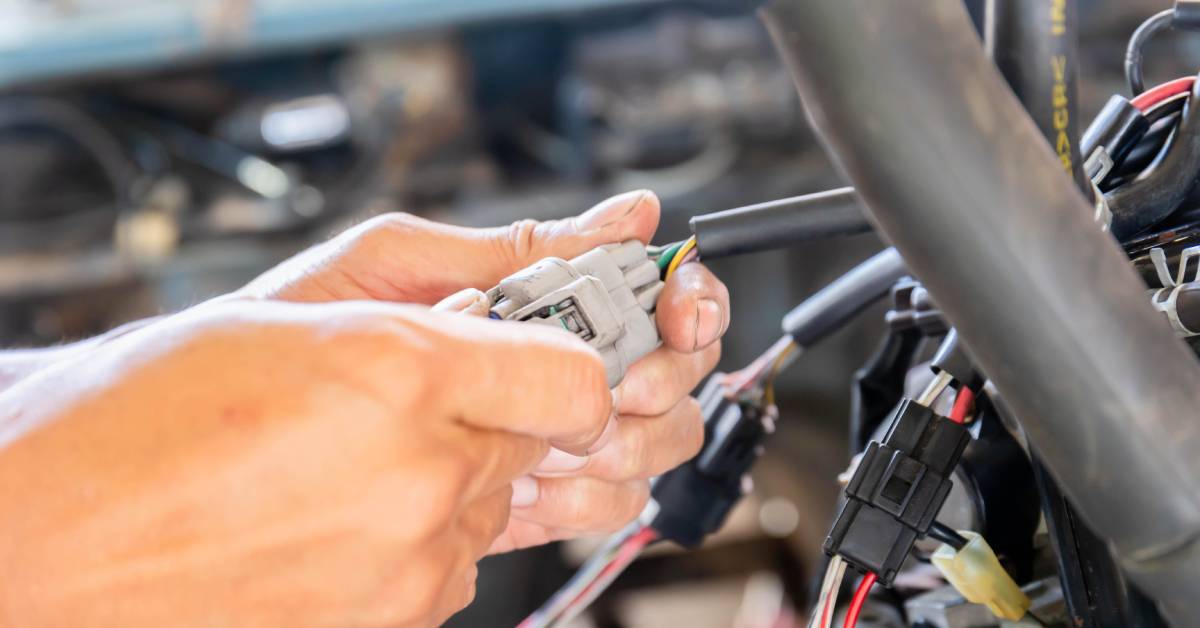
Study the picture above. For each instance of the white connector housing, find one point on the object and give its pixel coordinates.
(975, 572)
(606, 296)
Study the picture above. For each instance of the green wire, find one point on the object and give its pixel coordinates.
(562, 322)
(664, 260)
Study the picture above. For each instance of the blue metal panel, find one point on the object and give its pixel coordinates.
(38, 44)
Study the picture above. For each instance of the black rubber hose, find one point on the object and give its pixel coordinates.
(1157, 193)
(1035, 45)
(830, 308)
(1048, 305)
(1156, 24)
(779, 224)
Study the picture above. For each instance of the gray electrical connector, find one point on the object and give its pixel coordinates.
(606, 297)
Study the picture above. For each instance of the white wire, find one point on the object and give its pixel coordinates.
(598, 586)
(551, 611)
(829, 587)
(833, 594)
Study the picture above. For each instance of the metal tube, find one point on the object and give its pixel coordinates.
(960, 180)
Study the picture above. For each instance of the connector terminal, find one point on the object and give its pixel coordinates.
(606, 296)
(694, 499)
(897, 490)
(975, 572)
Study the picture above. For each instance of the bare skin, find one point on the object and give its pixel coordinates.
(322, 449)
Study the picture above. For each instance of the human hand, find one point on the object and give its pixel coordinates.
(274, 464)
(399, 257)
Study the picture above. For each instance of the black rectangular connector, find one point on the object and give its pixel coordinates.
(695, 498)
(897, 490)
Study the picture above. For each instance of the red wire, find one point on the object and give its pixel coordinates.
(628, 551)
(962, 405)
(1147, 99)
(860, 598)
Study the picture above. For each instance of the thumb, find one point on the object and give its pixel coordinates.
(400, 257)
(629, 216)
(441, 259)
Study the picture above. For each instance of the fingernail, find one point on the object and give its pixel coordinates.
(607, 435)
(524, 492)
(611, 210)
(466, 301)
(709, 320)
(559, 461)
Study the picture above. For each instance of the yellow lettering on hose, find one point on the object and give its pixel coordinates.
(1060, 117)
(1058, 17)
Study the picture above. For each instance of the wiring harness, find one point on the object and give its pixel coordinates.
(1141, 154)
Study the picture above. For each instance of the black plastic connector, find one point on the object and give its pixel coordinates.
(695, 498)
(897, 490)
(913, 308)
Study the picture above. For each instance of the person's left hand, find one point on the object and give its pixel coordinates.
(399, 257)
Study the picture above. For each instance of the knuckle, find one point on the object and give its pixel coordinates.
(468, 590)
(631, 463)
(454, 472)
(422, 592)
(381, 232)
(437, 485)
(654, 387)
(391, 222)
(519, 242)
(573, 501)
(631, 500)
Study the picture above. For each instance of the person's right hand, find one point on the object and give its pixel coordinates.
(269, 464)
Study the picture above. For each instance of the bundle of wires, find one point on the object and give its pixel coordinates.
(622, 548)
(763, 371)
(596, 574)
(1163, 107)
(669, 258)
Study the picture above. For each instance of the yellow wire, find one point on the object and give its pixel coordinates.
(678, 259)
(776, 366)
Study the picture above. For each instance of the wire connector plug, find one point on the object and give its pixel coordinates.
(975, 572)
(897, 490)
(606, 296)
(694, 499)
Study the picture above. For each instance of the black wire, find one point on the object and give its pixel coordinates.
(1161, 188)
(944, 533)
(1147, 150)
(1165, 108)
(1157, 23)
